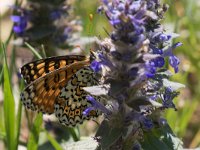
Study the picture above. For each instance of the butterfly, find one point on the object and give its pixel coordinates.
(55, 85)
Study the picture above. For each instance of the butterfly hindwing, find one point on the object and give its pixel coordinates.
(72, 101)
(40, 95)
(34, 70)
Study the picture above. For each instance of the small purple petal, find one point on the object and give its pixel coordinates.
(153, 97)
(55, 15)
(121, 6)
(105, 2)
(150, 69)
(90, 98)
(159, 62)
(15, 18)
(18, 29)
(148, 124)
(98, 105)
(174, 62)
(134, 6)
(164, 37)
(96, 66)
(156, 50)
(115, 22)
(167, 95)
(88, 110)
(177, 44)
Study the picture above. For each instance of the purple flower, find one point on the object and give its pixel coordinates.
(156, 50)
(87, 111)
(96, 66)
(20, 23)
(150, 69)
(48, 24)
(95, 105)
(56, 14)
(163, 37)
(168, 96)
(173, 60)
(148, 124)
(121, 6)
(158, 62)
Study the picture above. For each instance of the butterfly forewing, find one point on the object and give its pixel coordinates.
(34, 70)
(40, 95)
(72, 101)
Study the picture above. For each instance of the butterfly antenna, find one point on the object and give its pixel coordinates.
(96, 122)
(92, 55)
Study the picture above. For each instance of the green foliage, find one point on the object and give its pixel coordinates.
(9, 108)
(55, 144)
(161, 138)
(35, 131)
(109, 135)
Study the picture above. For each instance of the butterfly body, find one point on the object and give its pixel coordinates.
(55, 85)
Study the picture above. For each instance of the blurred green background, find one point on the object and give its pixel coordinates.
(182, 18)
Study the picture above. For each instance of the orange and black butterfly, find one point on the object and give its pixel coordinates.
(55, 85)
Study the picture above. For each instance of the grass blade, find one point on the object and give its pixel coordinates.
(55, 144)
(9, 108)
(33, 50)
(18, 121)
(35, 131)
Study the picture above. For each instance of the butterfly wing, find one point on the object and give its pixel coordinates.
(40, 94)
(72, 101)
(36, 69)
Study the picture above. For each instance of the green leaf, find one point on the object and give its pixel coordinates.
(74, 133)
(161, 138)
(35, 131)
(19, 115)
(108, 135)
(2, 124)
(9, 108)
